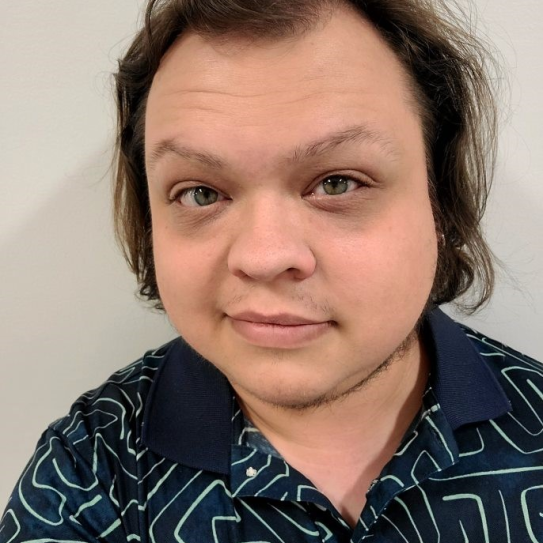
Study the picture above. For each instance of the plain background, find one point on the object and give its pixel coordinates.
(68, 313)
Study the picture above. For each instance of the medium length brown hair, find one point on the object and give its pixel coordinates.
(448, 70)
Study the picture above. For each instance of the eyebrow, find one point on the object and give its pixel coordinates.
(170, 146)
(358, 133)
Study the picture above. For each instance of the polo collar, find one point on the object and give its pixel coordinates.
(463, 383)
(188, 414)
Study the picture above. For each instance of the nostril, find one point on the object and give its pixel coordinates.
(293, 262)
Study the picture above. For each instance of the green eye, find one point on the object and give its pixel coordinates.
(204, 196)
(337, 184)
(199, 197)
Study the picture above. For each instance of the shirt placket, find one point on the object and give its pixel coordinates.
(294, 505)
(429, 449)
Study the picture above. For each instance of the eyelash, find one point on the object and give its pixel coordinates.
(343, 177)
(177, 196)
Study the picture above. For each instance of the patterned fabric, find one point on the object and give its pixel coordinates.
(161, 453)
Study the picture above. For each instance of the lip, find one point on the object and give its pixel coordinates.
(283, 319)
(279, 331)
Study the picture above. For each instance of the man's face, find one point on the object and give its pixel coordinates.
(293, 234)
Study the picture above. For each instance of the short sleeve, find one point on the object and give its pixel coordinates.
(59, 498)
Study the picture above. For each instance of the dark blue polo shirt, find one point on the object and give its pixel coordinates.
(161, 453)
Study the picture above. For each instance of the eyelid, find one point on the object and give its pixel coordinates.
(181, 188)
(362, 180)
(177, 192)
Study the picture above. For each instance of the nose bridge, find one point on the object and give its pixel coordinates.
(269, 216)
(270, 240)
(268, 223)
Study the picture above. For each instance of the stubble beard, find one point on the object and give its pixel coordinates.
(333, 397)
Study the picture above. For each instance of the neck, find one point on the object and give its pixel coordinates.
(391, 398)
(342, 446)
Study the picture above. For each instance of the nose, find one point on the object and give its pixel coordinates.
(270, 242)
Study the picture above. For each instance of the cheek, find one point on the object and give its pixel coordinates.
(389, 262)
(183, 271)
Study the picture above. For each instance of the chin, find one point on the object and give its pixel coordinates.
(300, 394)
(287, 391)
(299, 400)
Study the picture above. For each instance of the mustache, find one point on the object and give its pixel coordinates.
(276, 301)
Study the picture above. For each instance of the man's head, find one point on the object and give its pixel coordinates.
(445, 66)
(311, 162)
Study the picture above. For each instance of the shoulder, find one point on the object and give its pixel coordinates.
(108, 419)
(83, 478)
(511, 366)
(521, 378)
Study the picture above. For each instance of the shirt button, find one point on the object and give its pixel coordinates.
(251, 472)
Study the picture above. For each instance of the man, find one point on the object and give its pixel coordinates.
(299, 186)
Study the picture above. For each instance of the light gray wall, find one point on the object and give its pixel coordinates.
(68, 315)
(514, 221)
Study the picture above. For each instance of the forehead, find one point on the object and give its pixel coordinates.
(340, 73)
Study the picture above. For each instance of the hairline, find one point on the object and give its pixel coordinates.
(414, 96)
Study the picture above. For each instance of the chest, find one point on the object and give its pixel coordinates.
(493, 508)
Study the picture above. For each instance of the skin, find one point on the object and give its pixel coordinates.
(360, 262)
